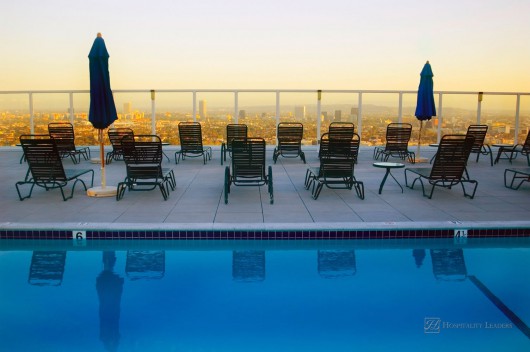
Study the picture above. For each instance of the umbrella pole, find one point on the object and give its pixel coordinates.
(102, 157)
(103, 190)
(418, 158)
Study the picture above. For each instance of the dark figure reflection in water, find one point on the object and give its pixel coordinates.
(109, 286)
(419, 255)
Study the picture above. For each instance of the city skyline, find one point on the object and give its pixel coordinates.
(307, 44)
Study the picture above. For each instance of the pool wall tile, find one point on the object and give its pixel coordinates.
(262, 234)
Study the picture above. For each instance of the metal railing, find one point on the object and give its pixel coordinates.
(371, 110)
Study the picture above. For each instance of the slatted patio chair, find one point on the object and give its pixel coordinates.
(233, 131)
(289, 135)
(448, 167)
(248, 166)
(397, 143)
(341, 130)
(521, 174)
(336, 170)
(64, 136)
(190, 134)
(143, 161)
(524, 149)
(340, 144)
(115, 136)
(479, 147)
(46, 168)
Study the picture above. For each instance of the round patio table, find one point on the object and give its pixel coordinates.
(388, 167)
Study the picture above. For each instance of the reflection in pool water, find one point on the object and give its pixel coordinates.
(317, 296)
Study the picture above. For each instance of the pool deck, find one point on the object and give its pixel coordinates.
(197, 204)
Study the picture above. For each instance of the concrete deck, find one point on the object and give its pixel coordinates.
(198, 200)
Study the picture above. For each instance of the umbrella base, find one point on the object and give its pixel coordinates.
(107, 191)
(95, 160)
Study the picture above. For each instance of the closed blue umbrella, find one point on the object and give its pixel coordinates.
(425, 107)
(102, 111)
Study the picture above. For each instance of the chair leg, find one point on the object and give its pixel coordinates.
(270, 185)
(359, 188)
(227, 184)
(472, 195)
(317, 187)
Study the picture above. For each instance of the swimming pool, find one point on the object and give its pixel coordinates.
(428, 295)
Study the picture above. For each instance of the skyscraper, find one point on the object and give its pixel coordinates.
(338, 115)
(299, 112)
(202, 109)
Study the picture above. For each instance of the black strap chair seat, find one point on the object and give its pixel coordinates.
(449, 166)
(143, 159)
(63, 134)
(336, 171)
(248, 166)
(290, 135)
(340, 144)
(513, 151)
(397, 141)
(479, 146)
(46, 169)
(115, 136)
(521, 174)
(190, 134)
(233, 131)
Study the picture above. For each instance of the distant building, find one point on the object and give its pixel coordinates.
(202, 109)
(299, 112)
(354, 114)
(242, 114)
(338, 115)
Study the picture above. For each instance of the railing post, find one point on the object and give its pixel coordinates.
(277, 112)
(479, 107)
(236, 107)
(194, 106)
(440, 118)
(400, 107)
(360, 115)
(153, 112)
(517, 110)
(31, 122)
(71, 107)
(319, 114)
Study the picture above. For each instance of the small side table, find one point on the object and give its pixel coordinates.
(388, 167)
(504, 149)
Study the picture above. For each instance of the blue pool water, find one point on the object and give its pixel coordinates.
(268, 296)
